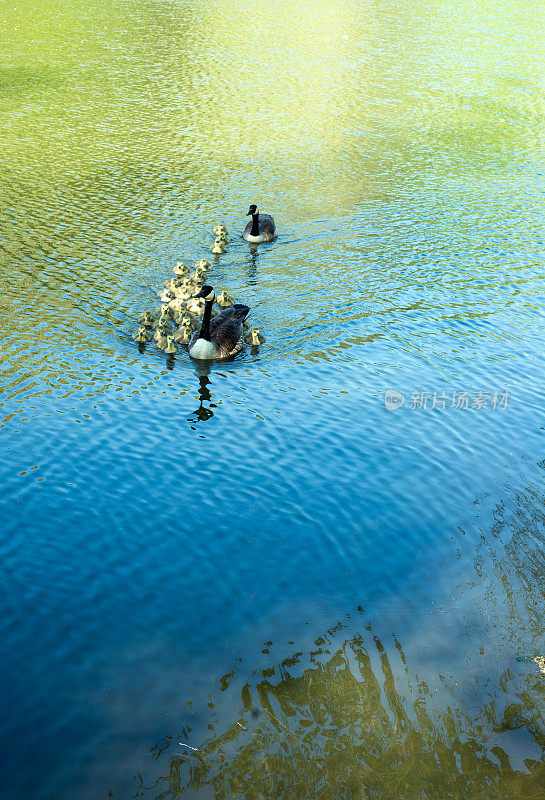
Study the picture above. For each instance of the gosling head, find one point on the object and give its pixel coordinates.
(143, 335)
(224, 300)
(185, 293)
(184, 335)
(170, 346)
(196, 306)
(218, 247)
(178, 307)
(161, 332)
(252, 211)
(166, 313)
(147, 319)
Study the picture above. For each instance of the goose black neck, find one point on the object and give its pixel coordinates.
(255, 224)
(204, 332)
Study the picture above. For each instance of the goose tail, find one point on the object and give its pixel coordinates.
(240, 311)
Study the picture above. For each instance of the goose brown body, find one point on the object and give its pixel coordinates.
(222, 336)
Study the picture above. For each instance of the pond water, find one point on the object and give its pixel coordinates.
(264, 578)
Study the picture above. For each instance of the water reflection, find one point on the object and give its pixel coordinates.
(251, 264)
(443, 704)
(203, 413)
(402, 160)
(357, 722)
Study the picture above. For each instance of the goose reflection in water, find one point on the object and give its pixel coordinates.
(203, 413)
(251, 265)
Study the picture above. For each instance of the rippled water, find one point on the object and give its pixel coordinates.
(258, 559)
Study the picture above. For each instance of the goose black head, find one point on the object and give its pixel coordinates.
(207, 292)
(251, 211)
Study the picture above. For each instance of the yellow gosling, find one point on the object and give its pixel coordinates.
(254, 337)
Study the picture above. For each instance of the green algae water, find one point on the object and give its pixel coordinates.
(316, 570)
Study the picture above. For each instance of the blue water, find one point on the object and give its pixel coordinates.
(162, 521)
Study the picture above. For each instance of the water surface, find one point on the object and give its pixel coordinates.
(258, 559)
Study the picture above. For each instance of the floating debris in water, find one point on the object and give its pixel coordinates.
(540, 661)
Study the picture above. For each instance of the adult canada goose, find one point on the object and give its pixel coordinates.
(253, 337)
(220, 337)
(261, 228)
